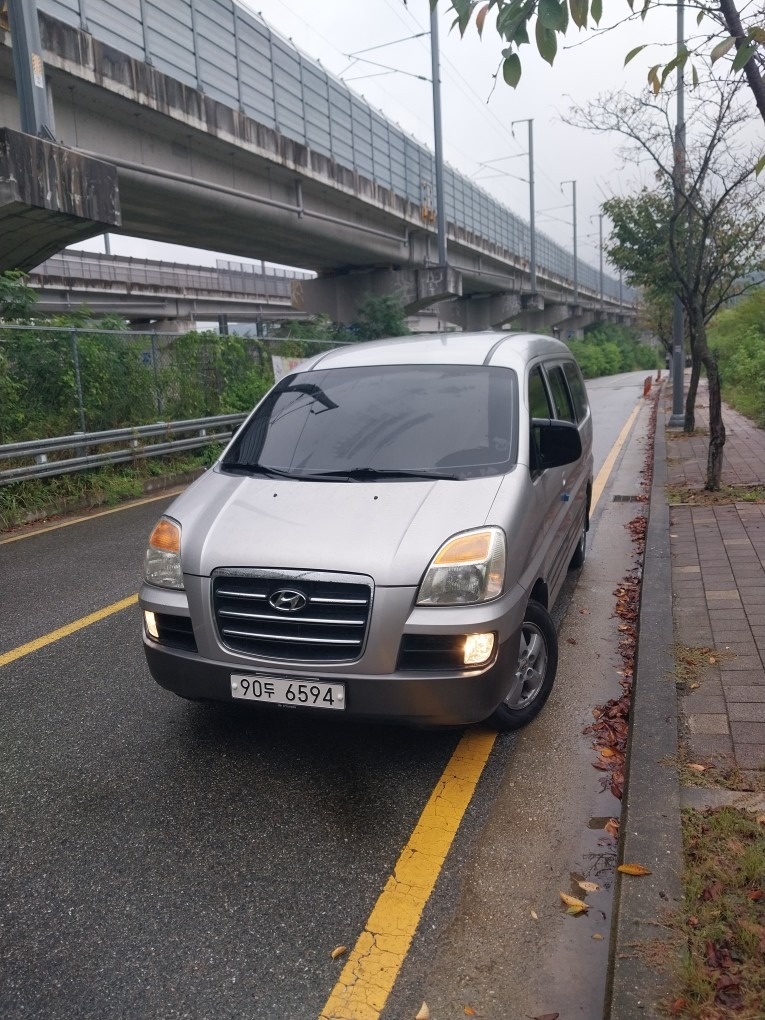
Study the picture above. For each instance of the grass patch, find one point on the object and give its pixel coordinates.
(691, 661)
(678, 495)
(674, 434)
(722, 774)
(721, 976)
(39, 498)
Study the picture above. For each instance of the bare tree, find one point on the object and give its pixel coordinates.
(700, 231)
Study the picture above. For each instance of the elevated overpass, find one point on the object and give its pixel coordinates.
(191, 121)
(168, 294)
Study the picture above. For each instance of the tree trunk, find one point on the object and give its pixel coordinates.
(689, 425)
(716, 424)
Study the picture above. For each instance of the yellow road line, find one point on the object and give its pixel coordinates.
(373, 965)
(600, 482)
(62, 632)
(167, 494)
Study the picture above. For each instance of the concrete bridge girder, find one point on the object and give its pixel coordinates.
(479, 312)
(50, 196)
(340, 297)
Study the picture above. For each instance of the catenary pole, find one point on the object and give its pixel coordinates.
(438, 138)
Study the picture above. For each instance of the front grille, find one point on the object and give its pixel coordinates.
(330, 626)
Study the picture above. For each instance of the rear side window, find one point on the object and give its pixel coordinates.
(561, 395)
(577, 388)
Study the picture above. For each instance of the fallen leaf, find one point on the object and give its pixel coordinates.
(546, 1016)
(572, 640)
(574, 905)
(761, 820)
(469, 1011)
(695, 687)
(633, 869)
(607, 752)
(535, 915)
(597, 936)
(424, 1013)
(612, 827)
(754, 894)
(338, 951)
(677, 1007)
(712, 659)
(698, 768)
(588, 886)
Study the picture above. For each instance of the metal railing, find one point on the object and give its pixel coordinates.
(130, 445)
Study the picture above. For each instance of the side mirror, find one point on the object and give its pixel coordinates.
(557, 442)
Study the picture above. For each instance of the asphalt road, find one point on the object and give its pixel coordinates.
(166, 860)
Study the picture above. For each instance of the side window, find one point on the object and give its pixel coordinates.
(539, 407)
(561, 396)
(578, 391)
(539, 404)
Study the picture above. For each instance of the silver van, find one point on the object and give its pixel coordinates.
(384, 536)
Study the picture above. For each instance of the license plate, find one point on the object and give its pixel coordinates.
(277, 690)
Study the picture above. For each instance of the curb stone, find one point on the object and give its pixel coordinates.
(650, 825)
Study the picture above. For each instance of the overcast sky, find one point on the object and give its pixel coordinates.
(477, 112)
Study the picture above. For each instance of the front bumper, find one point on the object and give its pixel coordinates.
(421, 699)
(375, 688)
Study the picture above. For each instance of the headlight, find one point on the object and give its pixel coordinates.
(162, 565)
(468, 568)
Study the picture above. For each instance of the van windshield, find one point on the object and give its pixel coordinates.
(383, 422)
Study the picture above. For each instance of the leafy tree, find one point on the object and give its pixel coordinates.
(737, 335)
(737, 36)
(380, 317)
(16, 298)
(699, 233)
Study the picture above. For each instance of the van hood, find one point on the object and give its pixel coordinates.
(389, 530)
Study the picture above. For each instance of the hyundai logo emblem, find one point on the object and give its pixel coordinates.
(286, 600)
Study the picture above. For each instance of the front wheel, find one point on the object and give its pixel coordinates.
(535, 672)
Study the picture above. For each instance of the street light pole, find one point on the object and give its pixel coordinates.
(438, 138)
(573, 218)
(678, 175)
(532, 227)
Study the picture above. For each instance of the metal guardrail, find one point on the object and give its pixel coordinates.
(130, 442)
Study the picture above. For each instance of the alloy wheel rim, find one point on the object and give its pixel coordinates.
(532, 665)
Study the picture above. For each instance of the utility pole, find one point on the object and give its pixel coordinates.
(29, 69)
(438, 138)
(532, 227)
(678, 178)
(573, 219)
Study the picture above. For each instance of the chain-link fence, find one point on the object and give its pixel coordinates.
(57, 381)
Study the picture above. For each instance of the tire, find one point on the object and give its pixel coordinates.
(580, 553)
(538, 663)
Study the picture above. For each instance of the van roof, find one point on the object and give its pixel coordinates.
(512, 350)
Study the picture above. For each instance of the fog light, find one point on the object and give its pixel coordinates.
(150, 622)
(478, 648)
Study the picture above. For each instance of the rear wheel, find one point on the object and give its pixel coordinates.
(534, 673)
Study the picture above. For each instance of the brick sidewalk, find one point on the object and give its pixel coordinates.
(718, 592)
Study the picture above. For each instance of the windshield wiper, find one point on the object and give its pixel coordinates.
(362, 474)
(257, 469)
